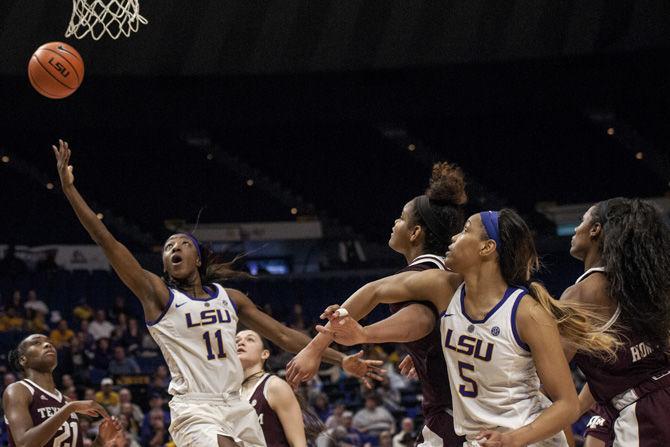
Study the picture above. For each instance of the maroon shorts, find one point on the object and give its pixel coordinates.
(438, 431)
(637, 418)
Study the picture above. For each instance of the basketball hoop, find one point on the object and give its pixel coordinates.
(99, 17)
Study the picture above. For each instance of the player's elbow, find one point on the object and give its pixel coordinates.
(571, 407)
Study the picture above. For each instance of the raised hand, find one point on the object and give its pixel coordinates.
(407, 368)
(356, 366)
(111, 434)
(492, 438)
(62, 153)
(344, 330)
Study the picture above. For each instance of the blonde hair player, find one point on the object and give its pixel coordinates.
(193, 319)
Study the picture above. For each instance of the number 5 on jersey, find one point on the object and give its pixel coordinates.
(463, 389)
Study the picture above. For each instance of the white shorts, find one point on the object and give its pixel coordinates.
(198, 419)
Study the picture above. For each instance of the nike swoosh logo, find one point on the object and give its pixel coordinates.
(180, 304)
(62, 48)
(446, 315)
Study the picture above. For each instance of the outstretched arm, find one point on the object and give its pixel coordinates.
(293, 341)
(149, 288)
(410, 323)
(435, 286)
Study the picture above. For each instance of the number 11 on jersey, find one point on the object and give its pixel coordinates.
(208, 342)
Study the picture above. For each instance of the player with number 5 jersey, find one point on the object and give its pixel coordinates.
(499, 333)
(193, 318)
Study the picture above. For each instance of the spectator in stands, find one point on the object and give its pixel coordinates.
(134, 424)
(48, 264)
(87, 340)
(120, 308)
(11, 265)
(16, 303)
(373, 418)
(389, 397)
(100, 327)
(405, 436)
(335, 419)
(126, 397)
(34, 305)
(162, 376)
(89, 394)
(62, 335)
(73, 360)
(156, 402)
(107, 397)
(298, 318)
(157, 434)
(11, 321)
(121, 365)
(83, 311)
(102, 354)
(132, 338)
(321, 407)
(66, 381)
(38, 324)
(353, 436)
(132, 440)
(385, 439)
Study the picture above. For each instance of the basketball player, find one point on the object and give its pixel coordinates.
(499, 332)
(279, 411)
(193, 319)
(37, 414)
(421, 234)
(625, 247)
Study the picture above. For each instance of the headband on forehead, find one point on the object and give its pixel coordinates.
(490, 221)
(433, 223)
(192, 239)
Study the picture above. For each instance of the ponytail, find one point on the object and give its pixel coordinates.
(314, 426)
(578, 324)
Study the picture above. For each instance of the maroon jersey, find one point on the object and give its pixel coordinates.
(426, 353)
(42, 407)
(270, 423)
(637, 360)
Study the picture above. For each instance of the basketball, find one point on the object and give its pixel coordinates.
(56, 70)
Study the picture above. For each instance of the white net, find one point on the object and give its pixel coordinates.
(95, 18)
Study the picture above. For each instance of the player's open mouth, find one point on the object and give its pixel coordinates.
(239, 350)
(175, 259)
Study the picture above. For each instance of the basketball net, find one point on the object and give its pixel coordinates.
(96, 18)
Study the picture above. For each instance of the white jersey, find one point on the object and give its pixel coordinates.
(494, 384)
(197, 339)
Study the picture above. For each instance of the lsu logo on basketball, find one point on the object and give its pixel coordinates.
(207, 317)
(469, 345)
(58, 66)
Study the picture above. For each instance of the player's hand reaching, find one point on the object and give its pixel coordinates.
(366, 370)
(344, 330)
(303, 366)
(111, 434)
(89, 408)
(407, 368)
(63, 165)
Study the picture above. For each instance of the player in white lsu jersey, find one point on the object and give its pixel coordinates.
(194, 321)
(499, 334)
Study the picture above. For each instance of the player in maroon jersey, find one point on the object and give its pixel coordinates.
(625, 247)
(37, 414)
(422, 234)
(282, 417)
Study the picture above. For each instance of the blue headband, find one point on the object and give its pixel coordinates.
(194, 240)
(490, 221)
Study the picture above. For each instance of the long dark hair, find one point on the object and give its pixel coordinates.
(212, 270)
(446, 194)
(577, 324)
(635, 247)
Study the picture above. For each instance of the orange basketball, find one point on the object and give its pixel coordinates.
(56, 70)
